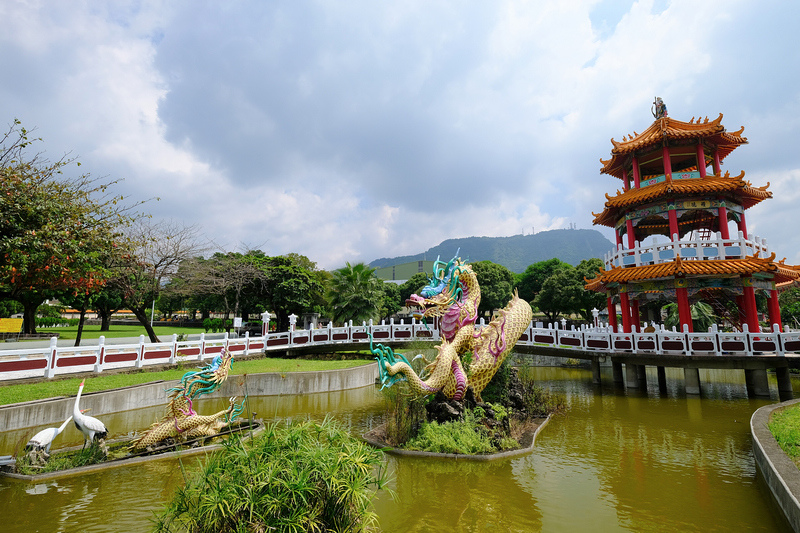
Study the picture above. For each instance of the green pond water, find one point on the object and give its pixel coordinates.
(616, 460)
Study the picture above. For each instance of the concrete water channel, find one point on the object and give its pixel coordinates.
(616, 460)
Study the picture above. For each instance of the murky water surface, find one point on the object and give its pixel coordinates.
(615, 461)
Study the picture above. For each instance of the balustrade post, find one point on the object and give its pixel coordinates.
(101, 352)
(173, 352)
(50, 369)
(140, 352)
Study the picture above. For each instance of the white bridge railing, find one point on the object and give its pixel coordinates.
(55, 360)
(665, 342)
(714, 248)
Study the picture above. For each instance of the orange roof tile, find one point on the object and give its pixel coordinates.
(745, 193)
(670, 129)
(695, 268)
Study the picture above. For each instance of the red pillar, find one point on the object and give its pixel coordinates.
(635, 319)
(743, 225)
(637, 176)
(673, 225)
(774, 310)
(684, 311)
(750, 310)
(625, 185)
(625, 309)
(667, 162)
(717, 165)
(740, 308)
(701, 160)
(723, 222)
(631, 236)
(618, 233)
(612, 314)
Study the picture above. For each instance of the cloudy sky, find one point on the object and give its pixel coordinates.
(349, 131)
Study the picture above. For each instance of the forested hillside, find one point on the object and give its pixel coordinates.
(518, 251)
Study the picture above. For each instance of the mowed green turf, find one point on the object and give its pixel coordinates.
(24, 392)
(133, 330)
(785, 426)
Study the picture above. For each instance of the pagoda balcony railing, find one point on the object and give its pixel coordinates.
(691, 249)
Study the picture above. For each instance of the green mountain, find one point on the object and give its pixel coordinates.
(518, 251)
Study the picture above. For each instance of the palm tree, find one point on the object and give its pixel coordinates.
(354, 293)
(702, 316)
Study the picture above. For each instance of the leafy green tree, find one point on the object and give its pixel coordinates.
(560, 293)
(354, 293)
(9, 307)
(530, 282)
(588, 300)
(107, 302)
(290, 288)
(496, 283)
(789, 301)
(391, 303)
(56, 233)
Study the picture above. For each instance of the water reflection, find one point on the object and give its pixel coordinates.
(650, 460)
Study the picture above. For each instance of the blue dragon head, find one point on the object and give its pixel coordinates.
(443, 289)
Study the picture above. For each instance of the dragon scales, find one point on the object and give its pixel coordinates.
(180, 420)
(453, 295)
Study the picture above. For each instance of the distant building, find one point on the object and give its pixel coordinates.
(403, 272)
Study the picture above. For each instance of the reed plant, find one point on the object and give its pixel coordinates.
(311, 476)
(405, 413)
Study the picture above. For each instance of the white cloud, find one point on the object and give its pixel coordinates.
(357, 131)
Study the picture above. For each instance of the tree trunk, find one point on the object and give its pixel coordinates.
(80, 326)
(105, 321)
(29, 308)
(141, 315)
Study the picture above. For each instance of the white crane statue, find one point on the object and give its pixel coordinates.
(90, 427)
(42, 441)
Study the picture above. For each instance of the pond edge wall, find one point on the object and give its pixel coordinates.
(53, 411)
(776, 468)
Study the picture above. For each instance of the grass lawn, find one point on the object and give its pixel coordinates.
(785, 426)
(133, 330)
(24, 392)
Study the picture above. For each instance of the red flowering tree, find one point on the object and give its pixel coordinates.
(57, 234)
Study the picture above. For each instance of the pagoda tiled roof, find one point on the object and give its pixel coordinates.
(680, 268)
(670, 129)
(736, 186)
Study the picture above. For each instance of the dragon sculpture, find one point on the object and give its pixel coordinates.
(180, 419)
(453, 295)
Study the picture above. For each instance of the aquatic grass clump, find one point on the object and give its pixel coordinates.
(301, 477)
(61, 461)
(465, 436)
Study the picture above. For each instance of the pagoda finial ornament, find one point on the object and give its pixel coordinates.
(659, 109)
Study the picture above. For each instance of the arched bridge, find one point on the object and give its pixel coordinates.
(752, 352)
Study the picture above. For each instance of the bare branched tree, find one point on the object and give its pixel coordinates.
(158, 249)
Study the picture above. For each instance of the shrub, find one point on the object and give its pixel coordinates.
(464, 436)
(303, 477)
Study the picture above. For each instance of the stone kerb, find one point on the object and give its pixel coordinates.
(779, 472)
(52, 411)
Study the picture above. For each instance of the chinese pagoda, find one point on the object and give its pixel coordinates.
(673, 220)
